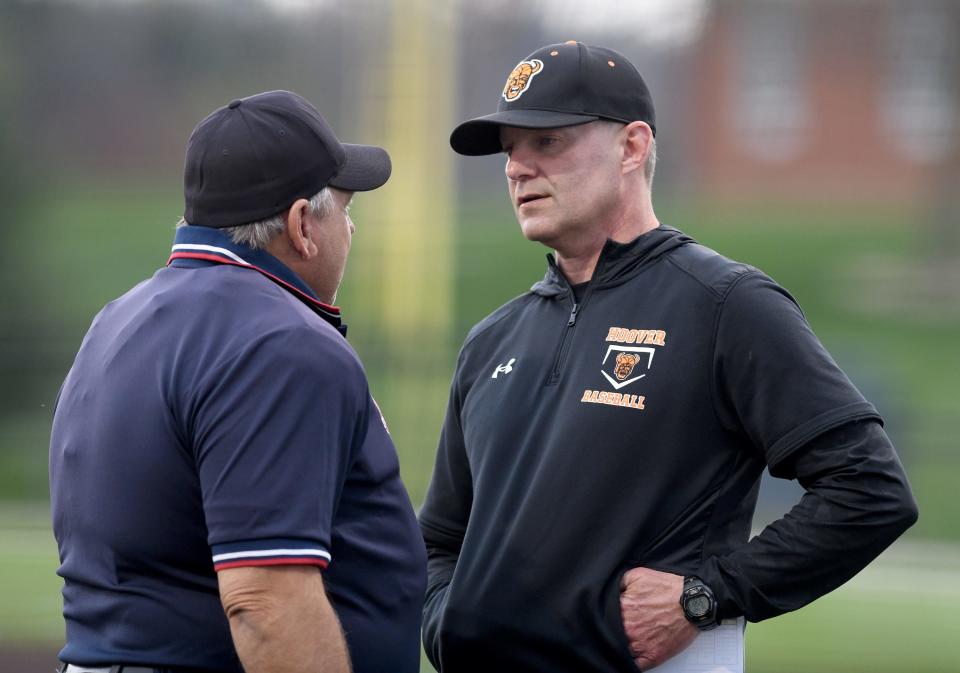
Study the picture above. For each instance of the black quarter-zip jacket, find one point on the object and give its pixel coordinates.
(631, 429)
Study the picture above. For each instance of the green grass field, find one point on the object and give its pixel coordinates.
(898, 615)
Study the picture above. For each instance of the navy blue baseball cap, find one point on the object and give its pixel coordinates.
(251, 159)
(561, 85)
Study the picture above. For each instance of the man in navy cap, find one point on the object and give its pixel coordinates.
(215, 445)
(599, 463)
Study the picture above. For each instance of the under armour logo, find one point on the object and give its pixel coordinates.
(504, 369)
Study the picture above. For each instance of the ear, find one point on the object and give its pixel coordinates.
(637, 137)
(636, 358)
(298, 230)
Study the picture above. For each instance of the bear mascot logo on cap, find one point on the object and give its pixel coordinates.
(520, 78)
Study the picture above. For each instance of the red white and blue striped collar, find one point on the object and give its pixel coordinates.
(201, 246)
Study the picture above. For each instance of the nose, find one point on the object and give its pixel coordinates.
(519, 165)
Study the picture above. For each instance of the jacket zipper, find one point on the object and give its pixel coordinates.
(567, 335)
(564, 342)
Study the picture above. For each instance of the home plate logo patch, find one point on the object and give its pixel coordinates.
(628, 357)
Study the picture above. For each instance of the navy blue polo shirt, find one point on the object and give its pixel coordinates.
(215, 416)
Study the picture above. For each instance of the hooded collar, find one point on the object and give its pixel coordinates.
(617, 262)
(204, 246)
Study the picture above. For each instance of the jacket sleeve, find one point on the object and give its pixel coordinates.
(857, 502)
(443, 520)
(779, 388)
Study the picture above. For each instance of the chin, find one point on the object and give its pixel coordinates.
(537, 230)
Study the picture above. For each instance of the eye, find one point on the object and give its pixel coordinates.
(546, 141)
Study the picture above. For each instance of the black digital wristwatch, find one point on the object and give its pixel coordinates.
(698, 604)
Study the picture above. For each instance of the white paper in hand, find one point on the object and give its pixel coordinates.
(719, 650)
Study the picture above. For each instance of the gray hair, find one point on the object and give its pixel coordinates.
(257, 235)
(650, 165)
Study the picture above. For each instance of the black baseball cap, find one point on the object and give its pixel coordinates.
(560, 85)
(254, 157)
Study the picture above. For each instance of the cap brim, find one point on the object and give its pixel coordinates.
(481, 136)
(366, 167)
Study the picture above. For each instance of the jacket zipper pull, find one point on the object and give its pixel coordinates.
(573, 315)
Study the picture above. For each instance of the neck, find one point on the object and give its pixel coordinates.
(578, 264)
(306, 271)
(578, 269)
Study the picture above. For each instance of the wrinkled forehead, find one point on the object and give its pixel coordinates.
(514, 134)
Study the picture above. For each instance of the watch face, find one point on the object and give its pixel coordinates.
(698, 606)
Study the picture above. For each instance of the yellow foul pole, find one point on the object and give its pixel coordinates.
(418, 232)
(414, 227)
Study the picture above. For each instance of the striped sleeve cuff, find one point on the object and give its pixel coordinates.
(272, 552)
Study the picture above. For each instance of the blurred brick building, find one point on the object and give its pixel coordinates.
(842, 99)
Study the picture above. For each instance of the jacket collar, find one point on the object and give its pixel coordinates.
(618, 262)
(203, 246)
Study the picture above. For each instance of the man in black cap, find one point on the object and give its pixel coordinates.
(215, 445)
(599, 463)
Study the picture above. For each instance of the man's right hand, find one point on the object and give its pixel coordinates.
(282, 621)
(655, 625)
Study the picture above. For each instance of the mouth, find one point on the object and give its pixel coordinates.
(529, 198)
